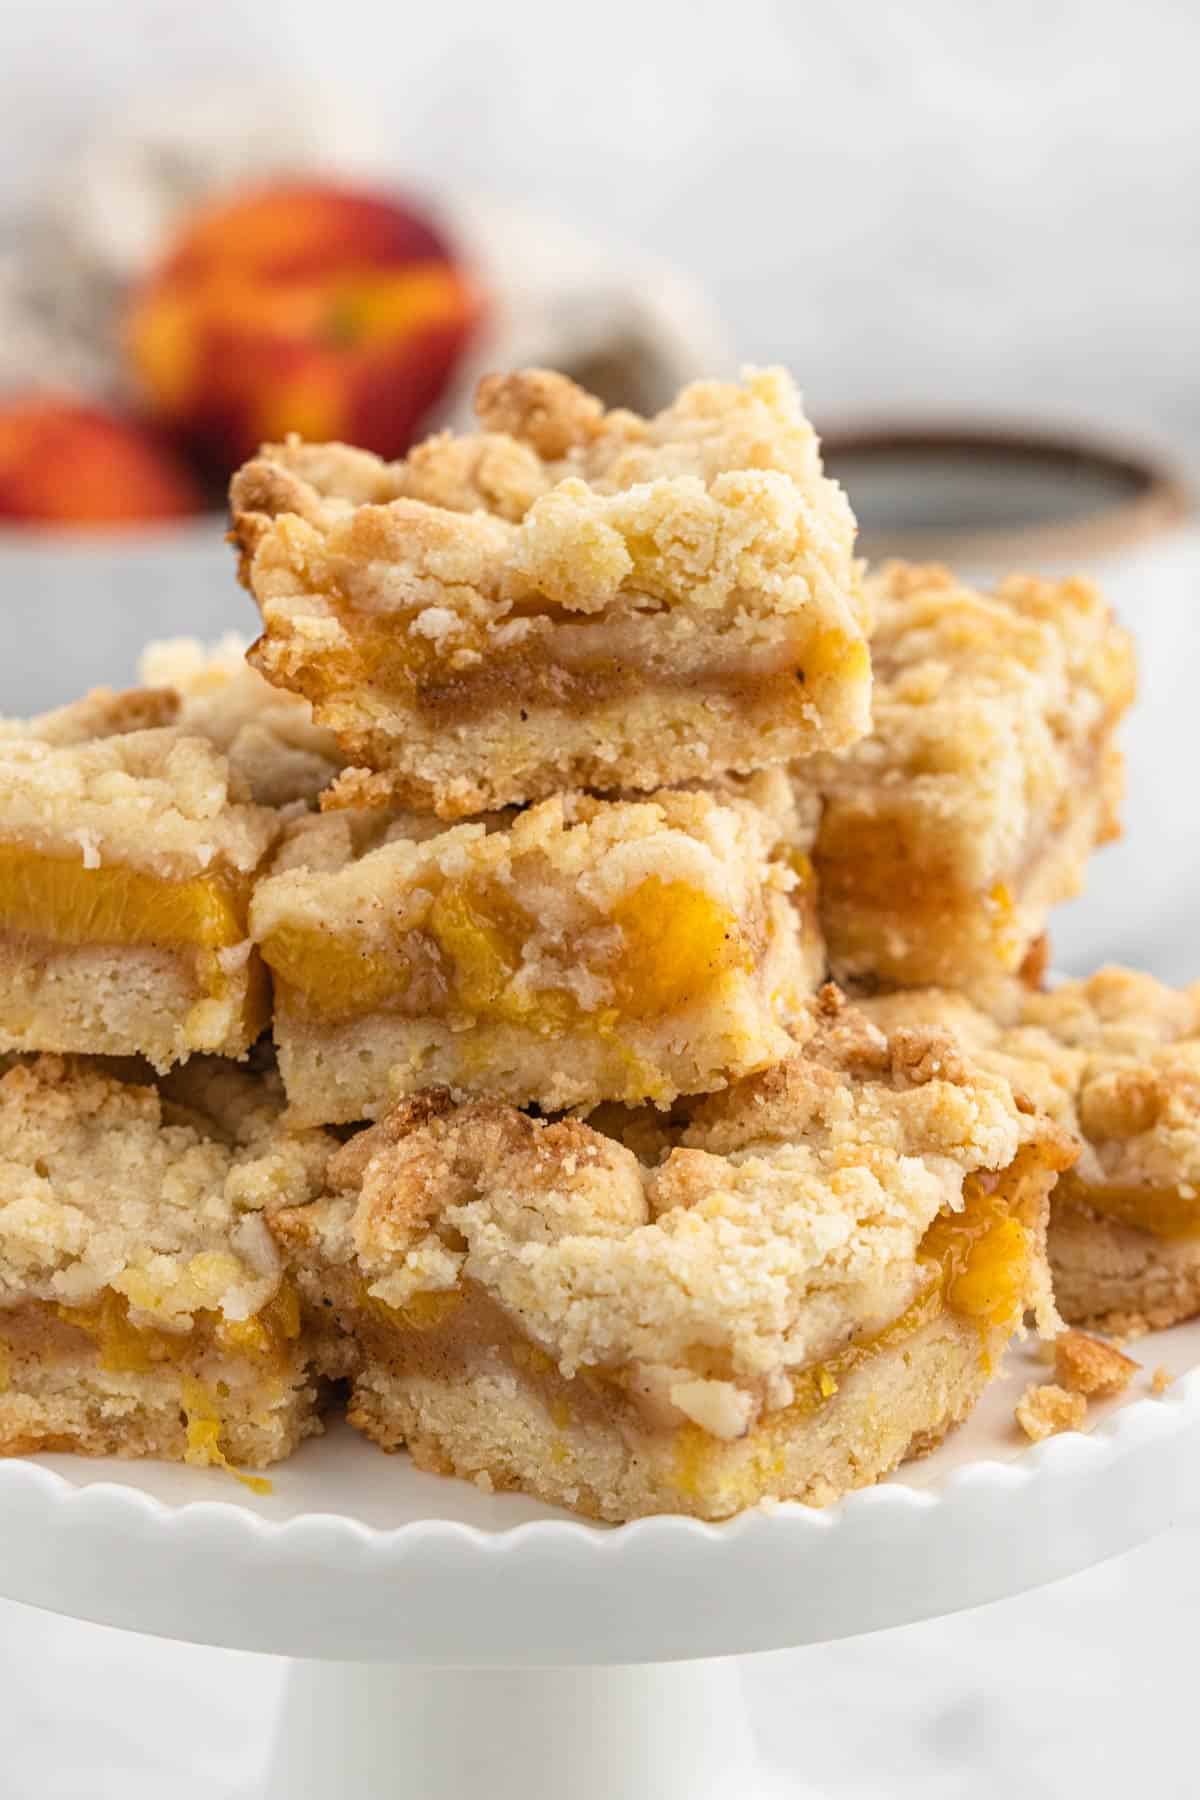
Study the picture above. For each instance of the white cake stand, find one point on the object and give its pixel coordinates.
(466, 1644)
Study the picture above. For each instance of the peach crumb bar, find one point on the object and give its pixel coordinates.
(1116, 1058)
(133, 827)
(989, 776)
(579, 951)
(143, 1306)
(569, 598)
(815, 1279)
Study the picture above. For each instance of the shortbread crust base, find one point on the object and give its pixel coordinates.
(484, 1426)
(106, 1000)
(53, 1400)
(338, 1074)
(664, 738)
(1116, 1278)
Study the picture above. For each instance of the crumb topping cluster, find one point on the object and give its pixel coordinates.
(157, 1192)
(551, 855)
(153, 799)
(1115, 1058)
(540, 430)
(267, 734)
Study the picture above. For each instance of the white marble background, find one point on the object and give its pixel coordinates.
(929, 207)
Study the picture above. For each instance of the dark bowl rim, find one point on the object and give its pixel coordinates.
(1160, 498)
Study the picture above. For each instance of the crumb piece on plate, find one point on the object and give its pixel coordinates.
(1086, 1365)
(1044, 1411)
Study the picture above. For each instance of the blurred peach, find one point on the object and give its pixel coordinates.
(64, 462)
(300, 307)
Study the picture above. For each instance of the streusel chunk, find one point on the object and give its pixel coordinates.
(570, 598)
(989, 776)
(580, 951)
(815, 1278)
(143, 1306)
(1044, 1411)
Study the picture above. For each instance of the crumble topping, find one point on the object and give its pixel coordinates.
(1115, 1058)
(540, 429)
(156, 799)
(158, 1192)
(785, 1215)
(98, 714)
(267, 734)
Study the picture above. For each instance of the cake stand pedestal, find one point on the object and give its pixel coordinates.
(652, 1732)
(450, 1643)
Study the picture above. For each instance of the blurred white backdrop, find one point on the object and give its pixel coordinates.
(930, 206)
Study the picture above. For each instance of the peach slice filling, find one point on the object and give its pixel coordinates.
(870, 872)
(560, 665)
(673, 945)
(976, 1265)
(265, 1340)
(57, 899)
(1167, 1212)
(123, 1347)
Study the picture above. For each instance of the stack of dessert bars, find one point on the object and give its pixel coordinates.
(546, 1002)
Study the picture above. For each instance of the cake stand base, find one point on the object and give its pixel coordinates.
(659, 1731)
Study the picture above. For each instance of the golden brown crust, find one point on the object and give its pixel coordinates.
(1118, 1278)
(462, 1409)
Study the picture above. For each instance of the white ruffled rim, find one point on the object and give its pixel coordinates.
(457, 1583)
(1129, 1426)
